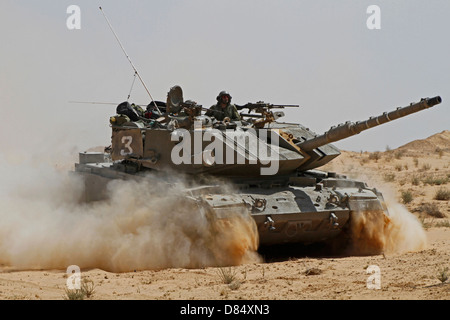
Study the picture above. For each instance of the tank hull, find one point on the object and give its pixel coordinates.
(306, 208)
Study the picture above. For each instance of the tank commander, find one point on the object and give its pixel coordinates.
(224, 108)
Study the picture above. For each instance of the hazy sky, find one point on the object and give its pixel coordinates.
(318, 54)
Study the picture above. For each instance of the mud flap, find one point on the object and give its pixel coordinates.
(94, 187)
(368, 225)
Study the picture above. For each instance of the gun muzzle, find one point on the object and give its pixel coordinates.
(434, 101)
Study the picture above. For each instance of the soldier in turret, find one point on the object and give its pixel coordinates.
(224, 108)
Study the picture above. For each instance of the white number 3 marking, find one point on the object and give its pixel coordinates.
(127, 141)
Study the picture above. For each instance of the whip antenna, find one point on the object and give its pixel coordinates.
(128, 57)
(132, 85)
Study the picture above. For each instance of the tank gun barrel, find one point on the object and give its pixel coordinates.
(350, 128)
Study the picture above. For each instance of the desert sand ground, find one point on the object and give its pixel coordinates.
(411, 175)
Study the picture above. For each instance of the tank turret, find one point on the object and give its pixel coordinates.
(258, 144)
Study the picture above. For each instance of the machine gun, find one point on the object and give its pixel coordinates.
(261, 105)
(264, 112)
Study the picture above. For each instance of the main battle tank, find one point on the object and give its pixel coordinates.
(271, 165)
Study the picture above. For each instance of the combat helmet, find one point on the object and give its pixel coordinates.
(223, 93)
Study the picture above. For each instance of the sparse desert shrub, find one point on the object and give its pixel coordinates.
(428, 180)
(375, 156)
(234, 285)
(398, 167)
(389, 177)
(88, 287)
(425, 224)
(443, 274)
(442, 194)
(74, 294)
(312, 272)
(416, 162)
(388, 156)
(227, 275)
(443, 224)
(431, 180)
(398, 155)
(86, 291)
(436, 181)
(440, 152)
(407, 197)
(432, 210)
(426, 167)
(415, 181)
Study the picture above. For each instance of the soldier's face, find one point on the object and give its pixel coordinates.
(225, 99)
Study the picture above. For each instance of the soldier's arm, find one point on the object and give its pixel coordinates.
(236, 115)
(210, 111)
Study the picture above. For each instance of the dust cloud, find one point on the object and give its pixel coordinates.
(143, 226)
(405, 232)
(373, 232)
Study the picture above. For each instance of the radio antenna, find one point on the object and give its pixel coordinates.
(128, 57)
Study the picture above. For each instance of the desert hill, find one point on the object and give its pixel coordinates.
(436, 142)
